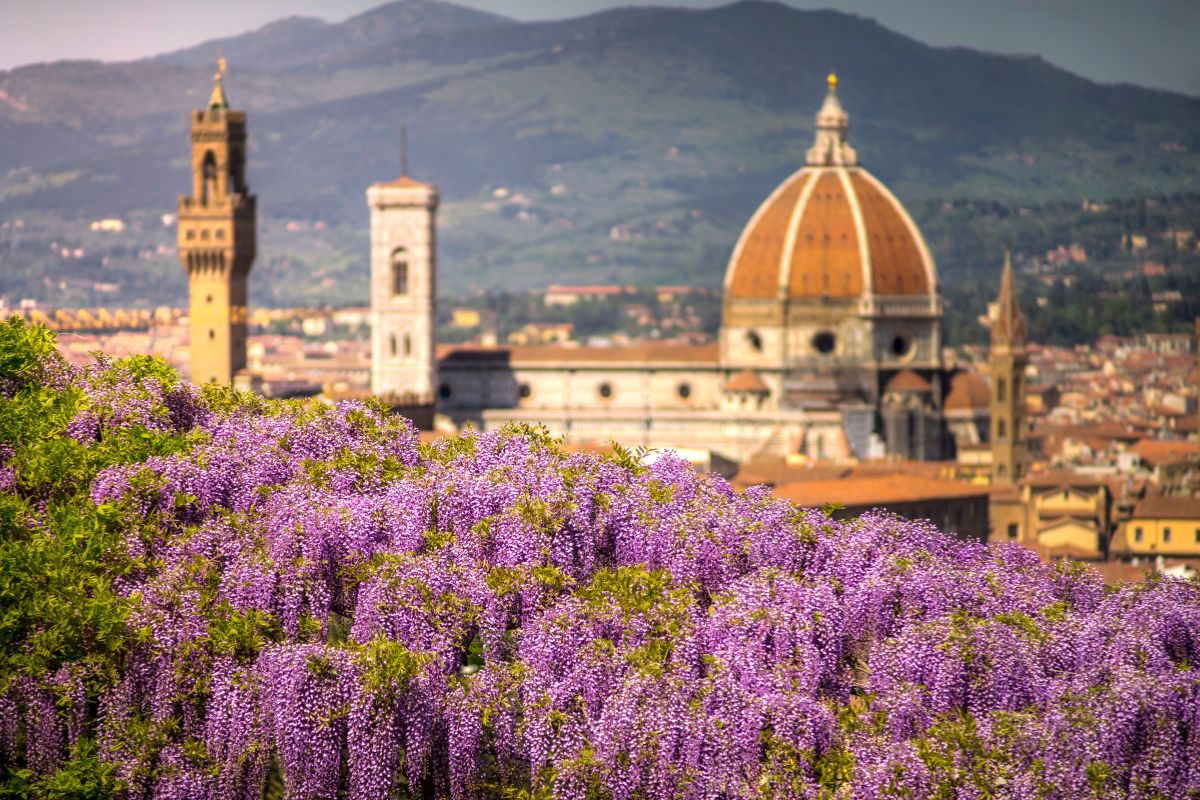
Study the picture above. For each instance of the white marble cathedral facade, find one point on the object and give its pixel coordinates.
(830, 343)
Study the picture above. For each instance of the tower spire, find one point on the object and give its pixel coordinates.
(217, 99)
(1008, 327)
(831, 147)
(1008, 358)
(403, 151)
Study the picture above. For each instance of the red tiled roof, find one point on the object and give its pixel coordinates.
(747, 381)
(1154, 451)
(908, 381)
(876, 491)
(968, 391)
(1161, 507)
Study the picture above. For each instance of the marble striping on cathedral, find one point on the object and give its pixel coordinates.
(830, 343)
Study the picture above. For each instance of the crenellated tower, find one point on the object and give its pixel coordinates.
(217, 239)
(1008, 357)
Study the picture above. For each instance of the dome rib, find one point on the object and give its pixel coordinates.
(754, 269)
(831, 231)
(895, 241)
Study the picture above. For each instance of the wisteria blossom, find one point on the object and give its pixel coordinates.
(320, 605)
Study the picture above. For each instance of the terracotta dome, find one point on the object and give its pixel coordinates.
(830, 231)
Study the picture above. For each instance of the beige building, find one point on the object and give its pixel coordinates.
(1161, 526)
(830, 343)
(1058, 514)
(217, 240)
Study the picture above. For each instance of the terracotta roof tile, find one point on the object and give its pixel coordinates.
(1154, 451)
(1161, 507)
(908, 381)
(968, 392)
(876, 491)
(747, 381)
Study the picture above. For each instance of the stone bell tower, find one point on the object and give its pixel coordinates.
(217, 239)
(403, 289)
(1009, 357)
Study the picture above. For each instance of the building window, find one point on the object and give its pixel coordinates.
(824, 342)
(407, 345)
(1166, 535)
(605, 390)
(1137, 534)
(212, 334)
(524, 390)
(208, 299)
(684, 390)
(400, 272)
(1197, 535)
(1013, 530)
(755, 341)
(444, 391)
(901, 346)
(392, 344)
(1001, 471)
(1001, 429)
(1001, 390)
(208, 173)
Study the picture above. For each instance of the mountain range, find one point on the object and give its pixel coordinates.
(632, 144)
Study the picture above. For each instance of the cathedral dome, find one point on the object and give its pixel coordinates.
(830, 231)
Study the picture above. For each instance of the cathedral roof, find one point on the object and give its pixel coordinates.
(552, 355)
(747, 381)
(830, 231)
(908, 381)
(968, 391)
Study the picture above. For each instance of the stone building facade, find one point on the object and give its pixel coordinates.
(830, 342)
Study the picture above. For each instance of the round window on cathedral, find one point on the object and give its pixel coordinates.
(524, 390)
(901, 346)
(444, 391)
(824, 342)
(684, 390)
(605, 390)
(754, 340)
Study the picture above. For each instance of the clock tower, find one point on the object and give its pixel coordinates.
(217, 239)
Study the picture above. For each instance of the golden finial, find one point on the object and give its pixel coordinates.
(831, 79)
(218, 100)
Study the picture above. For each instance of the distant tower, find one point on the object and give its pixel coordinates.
(403, 287)
(217, 239)
(1008, 360)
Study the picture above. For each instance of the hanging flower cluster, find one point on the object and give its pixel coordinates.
(317, 601)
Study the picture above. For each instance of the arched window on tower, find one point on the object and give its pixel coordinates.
(392, 344)
(208, 173)
(400, 271)
(1001, 429)
(407, 345)
(1001, 390)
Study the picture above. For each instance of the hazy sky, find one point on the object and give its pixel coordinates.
(1149, 42)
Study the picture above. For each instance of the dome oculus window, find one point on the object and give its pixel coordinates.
(684, 390)
(605, 390)
(444, 391)
(755, 341)
(901, 346)
(824, 342)
(524, 390)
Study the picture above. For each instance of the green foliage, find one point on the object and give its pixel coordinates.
(60, 553)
